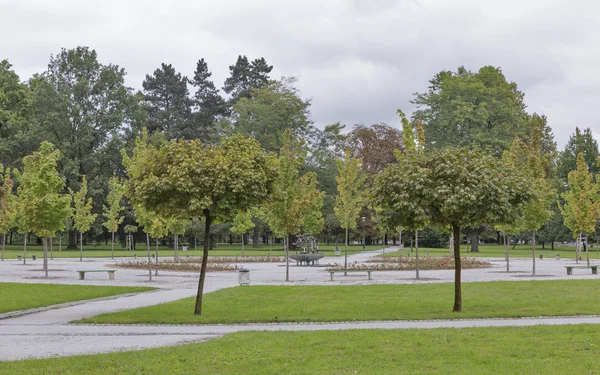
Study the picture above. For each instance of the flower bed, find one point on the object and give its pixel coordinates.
(179, 266)
(409, 263)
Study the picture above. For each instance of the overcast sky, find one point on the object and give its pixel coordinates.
(359, 60)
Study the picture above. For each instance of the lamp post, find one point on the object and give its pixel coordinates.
(364, 219)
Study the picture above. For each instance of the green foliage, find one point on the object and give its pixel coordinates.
(112, 212)
(351, 192)
(296, 201)
(242, 223)
(210, 106)
(7, 202)
(580, 142)
(582, 206)
(245, 76)
(187, 179)
(167, 101)
(41, 207)
(270, 112)
(464, 109)
(82, 214)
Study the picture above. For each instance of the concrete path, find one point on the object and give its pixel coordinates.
(47, 334)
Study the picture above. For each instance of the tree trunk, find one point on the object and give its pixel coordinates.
(255, 238)
(112, 246)
(10, 242)
(346, 253)
(60, 242)
(587, 255)
(25, 249)
(506, 253)
(72, 240)
(577, 249)
(457, 270)
(286, 245)
(149, 260)
(45, 257)
(3, 243)
(176, 247)
(552, 245)
(243, 244)
(474, 242)
(417, 251)
(80, 247)
(384, 242)
(208, 218)
(533, 251)
(51, 255)
(156, 255)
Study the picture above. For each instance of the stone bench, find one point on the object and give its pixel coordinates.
(111, 273)
(570, 269)
(367, 271)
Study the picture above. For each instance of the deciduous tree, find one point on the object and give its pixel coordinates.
(82, 213)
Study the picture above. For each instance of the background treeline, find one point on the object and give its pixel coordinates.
(82, 106)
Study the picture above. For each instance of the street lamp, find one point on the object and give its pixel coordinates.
(364, 219)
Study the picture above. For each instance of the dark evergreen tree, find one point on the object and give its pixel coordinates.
(245, 76)
(166, 97)
(209, 105)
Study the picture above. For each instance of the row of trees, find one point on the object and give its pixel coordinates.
(84, 108)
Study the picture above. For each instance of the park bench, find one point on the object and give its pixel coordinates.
(111, 273)
(367, 271)
(570, 269)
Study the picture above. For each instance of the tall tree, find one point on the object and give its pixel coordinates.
(453, 187)
(83, 106)
(463, 108)
(82, 213)
(375, 146)
(245, 76)
(295, 201)
(582, 204)
(166, 98)
(209, 105)
(351, 195)
(15, 98)
(270, 111)
(188, 179)
(112, 211)
(42, 207)
(7, 205)
(579, 142)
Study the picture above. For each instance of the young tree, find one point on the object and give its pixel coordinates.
(7, 214)
(293, 198)
(582, 204)
(42, 208)
(351, 195)
(83, 218)
(177, 226)
(242, 223)
(453, 187)
(112, 212)
(189, 179)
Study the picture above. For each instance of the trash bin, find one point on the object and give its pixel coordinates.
(19, 257)
(184, 248)
(244, 277)
(541, 257)
(557, 256)
(34, 257)
(336, 252)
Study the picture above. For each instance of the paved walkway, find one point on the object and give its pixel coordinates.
(47, 334)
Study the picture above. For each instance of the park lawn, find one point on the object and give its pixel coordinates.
(103, 251)
(500, 299)
(17, 296)
(497, 251)
(568, 349)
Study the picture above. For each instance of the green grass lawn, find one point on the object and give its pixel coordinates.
(497, 251)
(373, 302)
(16, 296)
(508, 350)
(103, 251)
